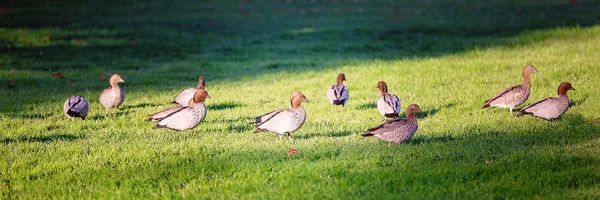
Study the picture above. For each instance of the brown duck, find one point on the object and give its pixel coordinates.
(388, 104)
(338, 94)
(512, 96)
(552, 107)
(397, 130)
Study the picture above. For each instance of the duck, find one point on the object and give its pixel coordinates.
(113, 96)
(181, 118)
(388, 104)
(552, 107)
(283, 121)
(397, 130)
(338, 94)
(76, 106)
(185, 95)
(514, 95)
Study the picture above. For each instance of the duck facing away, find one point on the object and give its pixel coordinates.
(283, 121)
(512, 96)
(114, 95)
(184, 96)
(181, 118)
(552, 107)
(76, 106)
(397, 130)
(338, 94)
(388, 104)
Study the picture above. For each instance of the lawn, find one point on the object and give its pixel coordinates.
(446, 56)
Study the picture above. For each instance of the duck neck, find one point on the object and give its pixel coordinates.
(526, 81)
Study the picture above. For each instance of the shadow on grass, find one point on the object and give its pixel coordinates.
(224, 106)
(366, 106)
(43, 139)
(140, 105)
(329, 134)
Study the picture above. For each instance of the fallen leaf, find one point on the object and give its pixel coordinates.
(291, 152)
(58, 75)
(13, 83)
(47, 38)
(102, 77)
(4, 10)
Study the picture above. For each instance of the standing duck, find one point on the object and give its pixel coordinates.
(552, 107)
(397, 130)
(388, 104)
(76, 106)
(283, 121)
(338, 94)
(184, 96)
(181, 118)
(512, 96)
(114, 95)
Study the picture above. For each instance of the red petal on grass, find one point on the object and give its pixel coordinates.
(4, 10)
(242, 11)
(58, 75)
(573, 1)
(13, 83)
(102, 76)
(47, 38)
(291, 152)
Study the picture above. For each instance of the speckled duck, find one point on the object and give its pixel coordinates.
(512, 96)
(113, 96)
(397, 130)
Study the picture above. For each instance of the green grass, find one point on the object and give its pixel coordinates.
(447, 57)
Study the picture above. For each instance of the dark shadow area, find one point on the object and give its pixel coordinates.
(152, 47)
(426, 140)
(43, 139)
(34, 116)
(367, 106)
(329, 134)
(140, 105)
(431, 112)
(224, 106)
